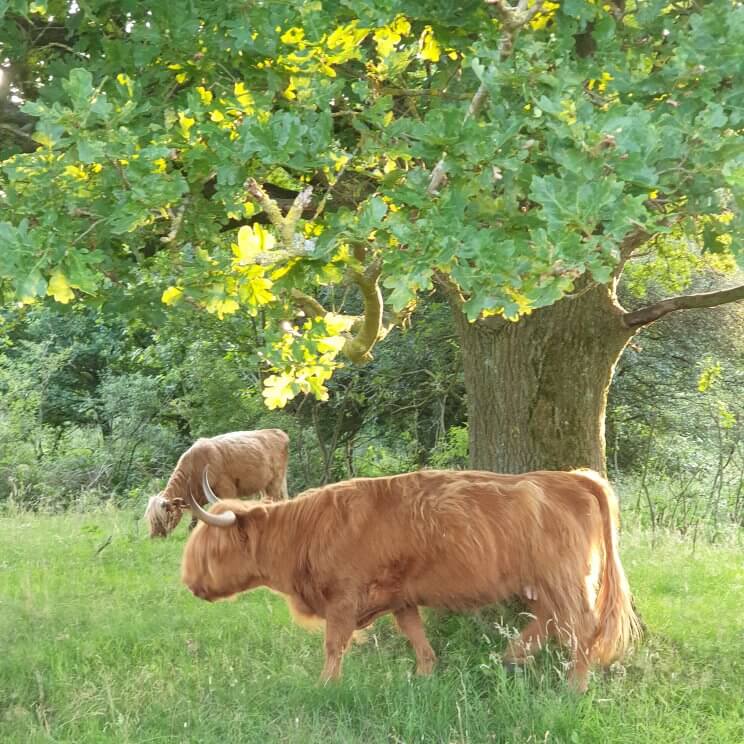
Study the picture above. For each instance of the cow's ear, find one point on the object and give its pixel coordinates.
(178, 503)
(253, 518)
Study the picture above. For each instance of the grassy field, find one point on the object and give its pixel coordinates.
(107, 646)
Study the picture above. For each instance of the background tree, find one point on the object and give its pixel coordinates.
(265, 160)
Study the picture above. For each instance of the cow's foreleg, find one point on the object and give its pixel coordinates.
(409, 621)
(340, 624)
(531, 639)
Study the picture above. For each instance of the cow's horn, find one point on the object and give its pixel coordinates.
(226, 519)
(210, 494)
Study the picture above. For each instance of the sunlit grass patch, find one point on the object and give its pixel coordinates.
(102, 643)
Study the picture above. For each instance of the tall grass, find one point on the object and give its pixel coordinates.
(100, 643)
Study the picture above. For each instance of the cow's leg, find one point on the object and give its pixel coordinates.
(575, 628)
(276, 490)
(194, 521)
(225, 488)
(409, 621)
(531, 639)
(340, 624)
(581, 649)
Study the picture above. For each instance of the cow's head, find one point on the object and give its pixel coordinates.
(163, 515)
(220, 557)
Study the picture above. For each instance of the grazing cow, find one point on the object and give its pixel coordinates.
(242, 463)
(352, 551)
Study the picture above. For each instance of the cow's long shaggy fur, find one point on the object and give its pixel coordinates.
(241, 463)
(352, 551)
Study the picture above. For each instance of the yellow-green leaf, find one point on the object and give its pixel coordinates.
(171, 295)
(59, 288)
(331, 343)
(252, 241)
(186, 122)
(74, 172)
(204, 94)
(336, 324)
(293, 36)
(256, 290)
(430, 48)
(221, 306)
(278, 390)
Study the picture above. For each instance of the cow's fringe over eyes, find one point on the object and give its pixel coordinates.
(162, 518)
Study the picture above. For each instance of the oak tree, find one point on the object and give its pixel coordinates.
(322, 164)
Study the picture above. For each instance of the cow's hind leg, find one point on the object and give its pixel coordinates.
(581, 651)
(409, 621)
(575, 627)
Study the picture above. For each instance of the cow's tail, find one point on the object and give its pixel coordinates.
(618, 626)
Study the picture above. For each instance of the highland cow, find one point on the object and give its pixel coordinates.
(352, 551)
(241, 463)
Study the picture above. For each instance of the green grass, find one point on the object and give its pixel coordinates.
(109, 647)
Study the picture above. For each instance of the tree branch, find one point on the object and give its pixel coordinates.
(176, 222)
(309, 305)
(646, 315)
(368, 328)
(630, 242)
(285, 226)
(439, 173)
(450, 288)
(513, 17)
(358, 348)
(17, 132)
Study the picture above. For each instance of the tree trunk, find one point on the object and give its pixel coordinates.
(537, 388)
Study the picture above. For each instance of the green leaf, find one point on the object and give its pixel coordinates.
(90, 151)
(372, 214)
(79, 87)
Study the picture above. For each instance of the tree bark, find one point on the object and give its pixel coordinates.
(537, 388)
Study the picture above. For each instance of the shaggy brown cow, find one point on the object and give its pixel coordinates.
(242, 463)
(352, 551)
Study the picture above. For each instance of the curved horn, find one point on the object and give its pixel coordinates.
(208, 492)
(226, 519)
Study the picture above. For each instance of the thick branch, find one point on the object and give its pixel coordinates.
(630, 243)
(450, 288)
(285, 226)
(646, 315)
(309, 305)
(358, 349)
(368, 327)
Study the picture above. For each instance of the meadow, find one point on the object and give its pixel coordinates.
(101, 643)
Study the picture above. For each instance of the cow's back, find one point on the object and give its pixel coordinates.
(442, 538)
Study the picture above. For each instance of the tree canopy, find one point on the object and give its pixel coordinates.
(266, 158)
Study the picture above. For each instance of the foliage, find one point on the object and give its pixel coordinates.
(452, 452)
(597, 120)
(84, 665)
(89, 405)
(676, 422)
